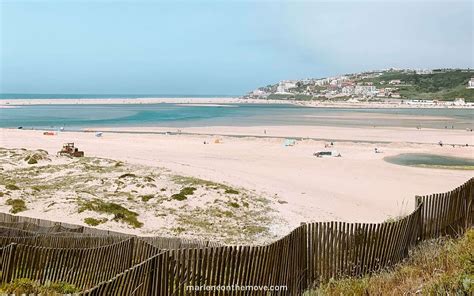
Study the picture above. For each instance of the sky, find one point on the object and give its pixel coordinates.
(219, 47)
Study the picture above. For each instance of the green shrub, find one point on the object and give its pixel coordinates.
(149, 179)
(12, 187)
(234, 204)
(231, 191)
(127, 175)
(182, 195)
(179, 196)
(18, 205)
(188, 190)
(94, 222)
(32, 161)
(34, 158)
(435, 267)
(120, 213)
(26, 286)
(147, 197)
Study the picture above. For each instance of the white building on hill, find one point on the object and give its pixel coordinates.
(470, 84)
(365, 90)
(284, 86)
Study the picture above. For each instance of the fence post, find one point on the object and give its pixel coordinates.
(132, 251)
(304, 253)
(152, 277)
(469, 196)
(421, 228)
(10, 264)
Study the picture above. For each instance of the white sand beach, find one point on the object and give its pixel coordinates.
(359, 186)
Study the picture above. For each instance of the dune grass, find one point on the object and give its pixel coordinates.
(183, 194)
(24, 286)
(436, 267)
(119, 212)
(94, 222)
(12, 187)
(17, 205)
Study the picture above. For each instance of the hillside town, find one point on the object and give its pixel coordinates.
(364, 86)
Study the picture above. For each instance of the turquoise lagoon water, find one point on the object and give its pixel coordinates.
(104, 96)
(176, 115)
(431, 160)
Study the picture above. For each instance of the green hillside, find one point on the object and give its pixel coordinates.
(441, 85)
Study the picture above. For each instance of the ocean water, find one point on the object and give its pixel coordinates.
(181, 115)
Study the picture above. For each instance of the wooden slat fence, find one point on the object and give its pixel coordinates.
(310, 254)
(339, 249)
(447, 213)
(138, 280)
(67, 229)
(83, 267)
(52, 241)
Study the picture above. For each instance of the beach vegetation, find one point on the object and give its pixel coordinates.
(188, 190)
(25, 286)
(227, 214)
(443, 266)
(231, 191)
(17, 205)
(394, 219)
(179, 230)
(252, 230)
(32, 161)
(12, 187)
(35, 157)
(120, 213)
(37, 188)
(94, 222)
(147, 197)
(149, 179)
(191, 181)
(183, 194)
(234, 204)
(127, 175)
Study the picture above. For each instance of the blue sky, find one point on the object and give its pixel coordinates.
(219, 47)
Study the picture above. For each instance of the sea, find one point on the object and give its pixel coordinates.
(181, 115)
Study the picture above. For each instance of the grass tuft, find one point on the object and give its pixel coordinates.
(231, 191)
(120, 213)
(147, 197)
(12, 187)
(183, 194)
(94, 222)
(24, 286)
(32, 161)
(18, 205)
(234, 204)
(127, 175)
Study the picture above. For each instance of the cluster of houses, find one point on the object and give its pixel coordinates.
(349, 87)
(333, 87)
